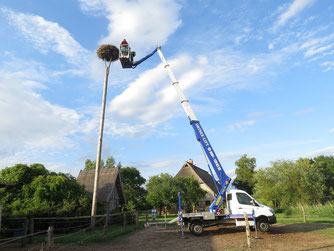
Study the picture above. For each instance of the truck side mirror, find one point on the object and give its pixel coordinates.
(254, 203)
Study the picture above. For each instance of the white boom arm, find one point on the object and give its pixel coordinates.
(184, 101)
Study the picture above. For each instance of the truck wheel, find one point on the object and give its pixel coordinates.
(196, 228)
(262, 225)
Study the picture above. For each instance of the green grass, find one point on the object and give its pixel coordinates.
(113, 233)
(142, 217)
(282, 218)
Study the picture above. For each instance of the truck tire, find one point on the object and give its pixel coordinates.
(262, 225)
(196, 228)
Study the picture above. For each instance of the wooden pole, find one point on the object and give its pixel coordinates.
(146, 214)
(50, 238)
(137, 218)
(25, 231)
(0, 215)
(247, 231)
(31, 229)
(99, 147)
(105, 227)
(124, 222)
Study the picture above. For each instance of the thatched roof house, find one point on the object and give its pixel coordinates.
(205, 181)
(110, 189)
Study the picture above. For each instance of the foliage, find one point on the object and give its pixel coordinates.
(133, 188)
(287, 184)
(162, 191)
(39, 192)
(110, 162)
(326, 166)
(91, 164)
(190, 190)
(245, 173)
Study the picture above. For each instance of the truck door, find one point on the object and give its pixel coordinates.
(244, 203)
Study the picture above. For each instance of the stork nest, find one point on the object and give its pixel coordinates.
(108, 52)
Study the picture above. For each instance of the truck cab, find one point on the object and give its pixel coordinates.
(239, 202)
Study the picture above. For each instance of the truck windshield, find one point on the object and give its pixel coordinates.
(244, 199)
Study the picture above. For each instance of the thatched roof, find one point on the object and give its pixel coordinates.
(109, 180)
(202, 176)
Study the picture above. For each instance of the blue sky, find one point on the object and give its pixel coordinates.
(259, 76)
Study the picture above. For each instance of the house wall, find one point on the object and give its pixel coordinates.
(113, 201)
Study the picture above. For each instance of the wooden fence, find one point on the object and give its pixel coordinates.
(24, 228)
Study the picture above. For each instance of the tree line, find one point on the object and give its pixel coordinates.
(40, 192)
(287, 183)
(35, 191)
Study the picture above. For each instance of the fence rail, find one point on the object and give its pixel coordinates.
(23, 230)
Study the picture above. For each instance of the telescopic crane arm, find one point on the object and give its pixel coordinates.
(224, 180)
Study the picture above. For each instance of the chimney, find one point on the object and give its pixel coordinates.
(191, 161)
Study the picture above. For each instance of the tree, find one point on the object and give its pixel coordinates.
(245, 174)
(326, 166)
(162, 191)
(39, 192)
(91, 164)
(110, 162)
(290, 184)
(191, 191)
(133, 188)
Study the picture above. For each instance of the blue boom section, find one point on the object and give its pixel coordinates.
(224, 180)
(136, 63)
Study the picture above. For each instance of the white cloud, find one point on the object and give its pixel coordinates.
(329, 66)
(325, 151)
(151, 98)
(305, 111)
(331, 130)
(28, 120)
(47, 36)
(241, 125)
(292, 10)
(144, 23)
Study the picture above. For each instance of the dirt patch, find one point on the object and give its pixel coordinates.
(297, 236)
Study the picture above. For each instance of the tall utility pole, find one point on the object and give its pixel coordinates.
(107, 53)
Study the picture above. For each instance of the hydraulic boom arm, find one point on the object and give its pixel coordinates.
(224, 180)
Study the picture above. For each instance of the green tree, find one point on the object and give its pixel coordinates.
(91, 164)
(290, 184)
(162, 191)
(245, 174)
(134, 191)
(40, 193)
(191, 191)
(110, 162)
(326, 166)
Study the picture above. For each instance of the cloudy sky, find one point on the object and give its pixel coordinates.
(259, 76)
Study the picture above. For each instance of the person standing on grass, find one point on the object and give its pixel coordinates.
(154, 213)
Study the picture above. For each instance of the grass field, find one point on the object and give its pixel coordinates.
(282, 218)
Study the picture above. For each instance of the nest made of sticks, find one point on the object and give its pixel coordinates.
(108, 52)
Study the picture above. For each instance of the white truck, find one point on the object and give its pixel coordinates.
(237, 202)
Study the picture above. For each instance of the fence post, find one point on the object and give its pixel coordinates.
(124, 222)
(105, 226)
(0, 215)
(146, 214)
(247, 231)
(50, 238)
(31, 229)
(25, 230)
(137, 217)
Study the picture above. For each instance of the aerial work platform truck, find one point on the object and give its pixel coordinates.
(237, 202)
